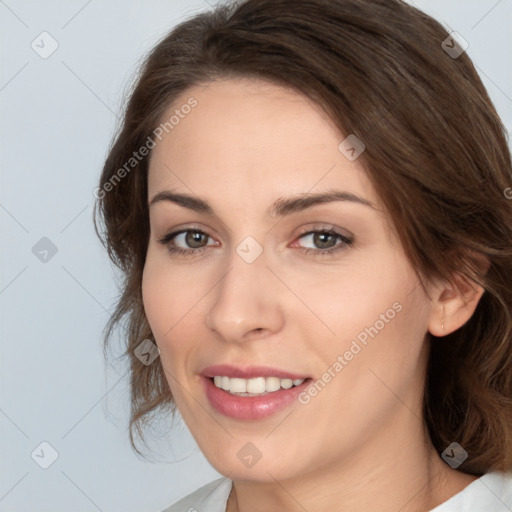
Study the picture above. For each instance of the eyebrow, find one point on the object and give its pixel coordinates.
(281, 207)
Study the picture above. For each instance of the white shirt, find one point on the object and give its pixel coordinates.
(491, 492)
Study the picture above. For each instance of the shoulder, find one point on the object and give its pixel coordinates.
(492, 491)
(211, 497)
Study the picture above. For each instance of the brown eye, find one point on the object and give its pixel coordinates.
(195, 239)
(186, 241)
(325, 241)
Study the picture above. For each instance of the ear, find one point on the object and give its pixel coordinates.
(454, 302)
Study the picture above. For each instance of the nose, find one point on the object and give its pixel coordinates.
(246, 302)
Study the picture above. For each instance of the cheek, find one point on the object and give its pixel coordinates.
(164, 299)
(383, 352)
(166, 294)
(163, 305)
(172, 306)
(356, 295)
(377, 314)
(153, 297)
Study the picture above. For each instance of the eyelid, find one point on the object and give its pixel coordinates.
(325, 227)
(320, 226)
(172, 234)
(346, 239)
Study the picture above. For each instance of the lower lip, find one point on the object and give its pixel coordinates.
(251, 407)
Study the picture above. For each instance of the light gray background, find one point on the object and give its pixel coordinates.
(58, 116)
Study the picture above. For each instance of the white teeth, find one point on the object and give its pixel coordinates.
(237, 385)
(272, 383)
(286, 383)
(254, 386)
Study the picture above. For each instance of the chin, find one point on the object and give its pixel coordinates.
(243, 461)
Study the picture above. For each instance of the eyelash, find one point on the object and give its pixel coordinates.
(345, 242)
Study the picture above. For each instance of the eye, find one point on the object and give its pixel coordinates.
(190, 242)
(186, 241)
(325, 241)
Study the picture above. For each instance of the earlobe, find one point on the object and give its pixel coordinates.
(453, 305)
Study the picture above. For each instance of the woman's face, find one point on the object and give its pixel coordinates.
(265, 284)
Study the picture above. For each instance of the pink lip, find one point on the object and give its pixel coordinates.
(250, 407)
(226, 370)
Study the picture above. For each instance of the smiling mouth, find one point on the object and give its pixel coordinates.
(252, 393)
(257, 386)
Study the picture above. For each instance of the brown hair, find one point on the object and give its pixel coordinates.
(436, 152)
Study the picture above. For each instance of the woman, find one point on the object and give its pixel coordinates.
(308, 200)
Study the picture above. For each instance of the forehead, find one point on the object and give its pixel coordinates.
(252, 137)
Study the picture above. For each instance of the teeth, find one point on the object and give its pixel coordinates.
(286, 383)
(238, 385)
(255, 386)
(272, 384)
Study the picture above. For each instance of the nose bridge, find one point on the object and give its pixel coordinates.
(244, 299)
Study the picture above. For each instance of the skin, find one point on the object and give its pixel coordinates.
(361, 441)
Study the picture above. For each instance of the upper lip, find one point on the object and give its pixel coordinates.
(249, 372)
